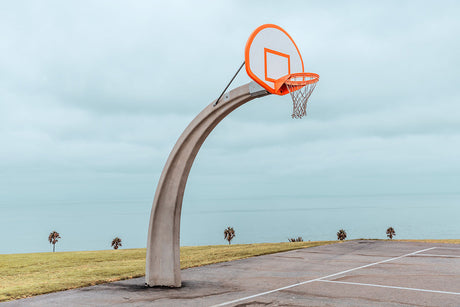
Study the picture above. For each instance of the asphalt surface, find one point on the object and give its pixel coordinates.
(355, 273)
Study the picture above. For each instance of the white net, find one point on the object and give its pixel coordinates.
(300, 87)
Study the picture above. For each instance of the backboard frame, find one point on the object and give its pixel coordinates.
(277, 88)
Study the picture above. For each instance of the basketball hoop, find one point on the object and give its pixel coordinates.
(300, 86)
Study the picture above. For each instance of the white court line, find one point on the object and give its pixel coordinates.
(443, 247)
(320, 278)
(434, 255)
(391, 287)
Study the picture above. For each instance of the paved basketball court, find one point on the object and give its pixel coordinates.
(356, 273)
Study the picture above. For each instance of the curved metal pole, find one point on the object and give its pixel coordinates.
(163, 248)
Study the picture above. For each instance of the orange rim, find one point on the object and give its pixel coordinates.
(307, 78)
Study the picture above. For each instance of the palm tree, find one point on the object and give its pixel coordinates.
(116, 243)
(53, 238)
(341, 235)
(229, 234)
(391, 232)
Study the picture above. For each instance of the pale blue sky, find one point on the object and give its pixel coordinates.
(93, 96)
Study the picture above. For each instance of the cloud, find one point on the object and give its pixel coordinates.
(109, 87)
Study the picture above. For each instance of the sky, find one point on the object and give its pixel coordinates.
(94, 95)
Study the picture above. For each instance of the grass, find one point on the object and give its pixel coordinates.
(24, 275)
(451, 241)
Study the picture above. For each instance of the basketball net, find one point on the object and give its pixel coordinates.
(300, 86)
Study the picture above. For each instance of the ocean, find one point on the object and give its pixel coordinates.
(91, 225)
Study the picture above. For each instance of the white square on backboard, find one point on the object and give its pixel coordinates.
(277, 64)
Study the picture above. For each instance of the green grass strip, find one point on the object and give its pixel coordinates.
(24, 275)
